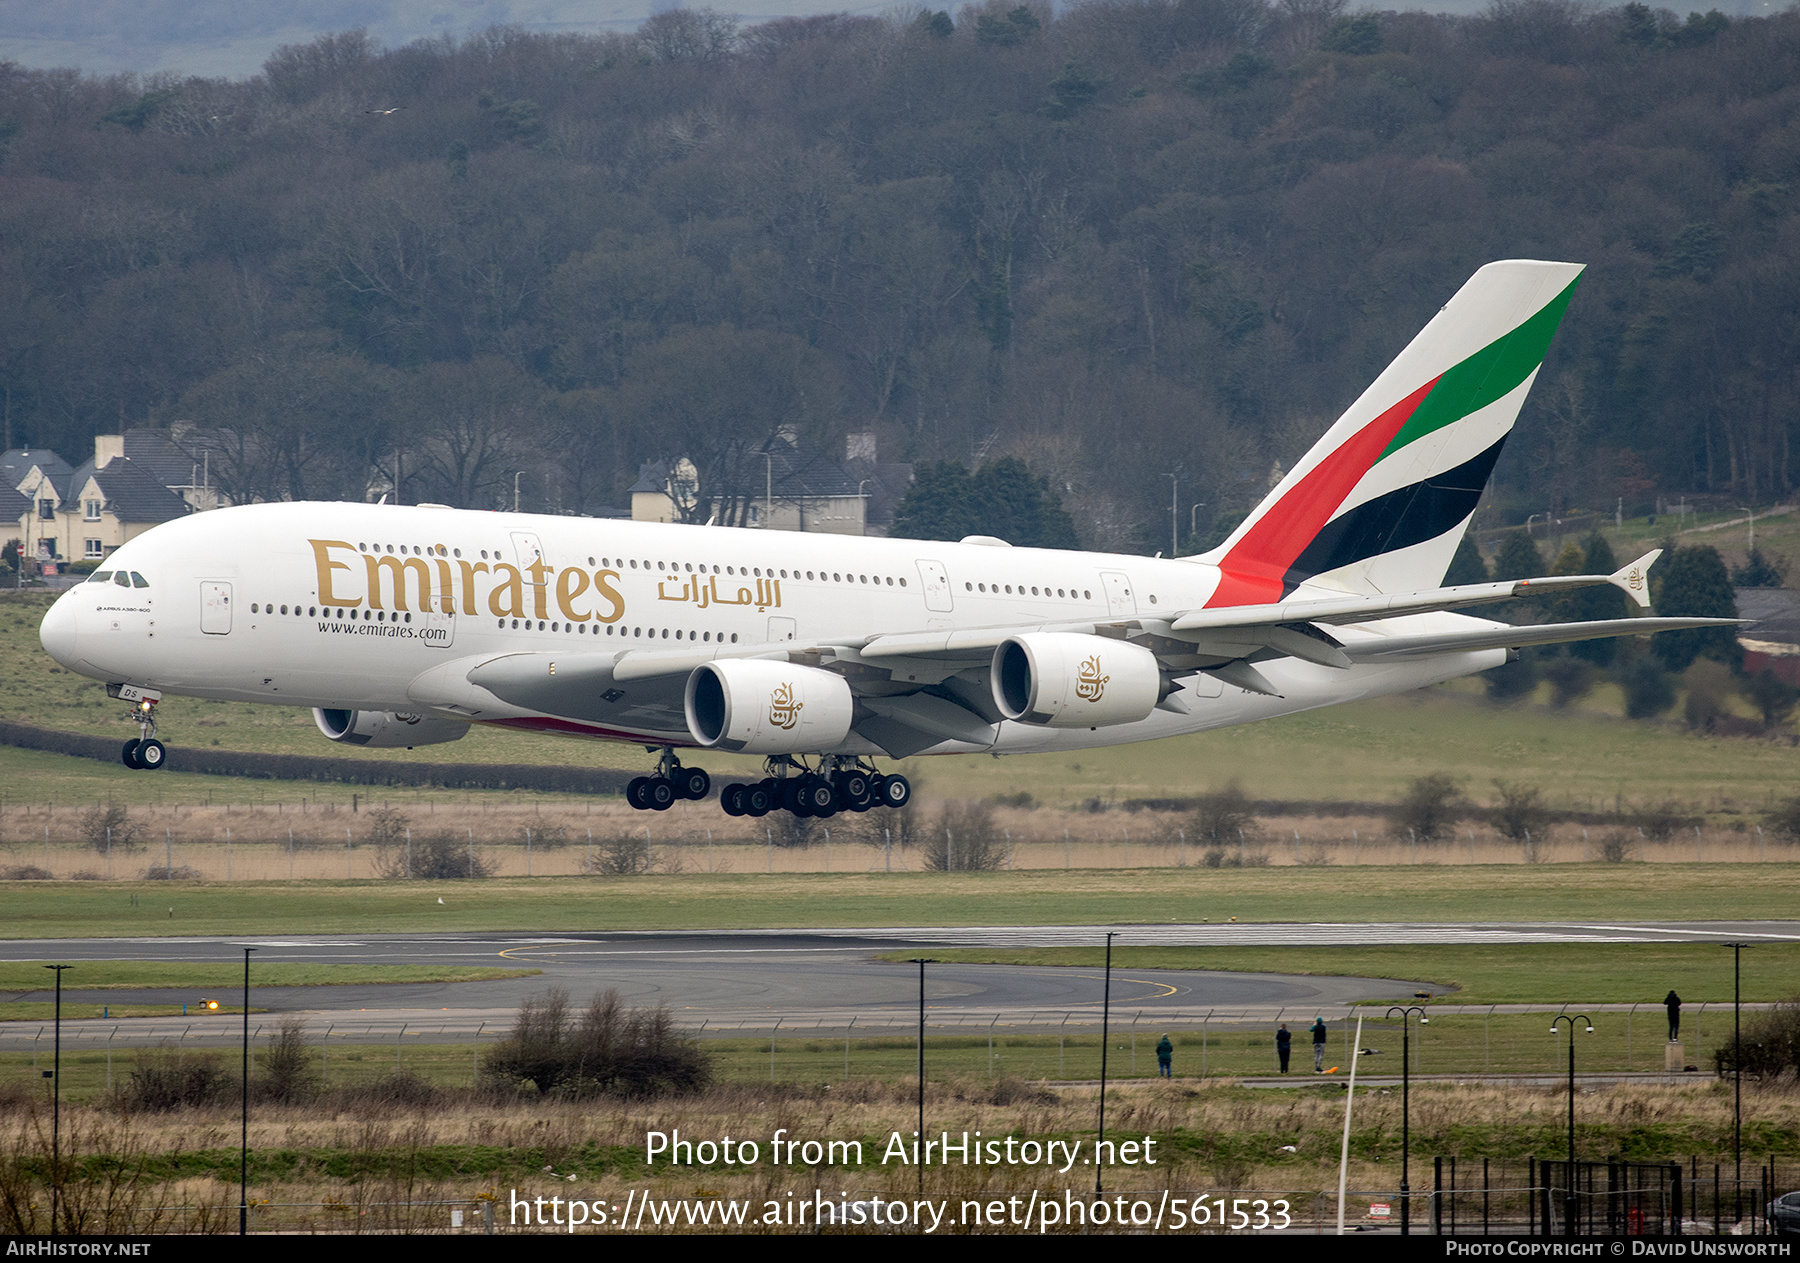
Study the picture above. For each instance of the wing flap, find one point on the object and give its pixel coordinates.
(1378, 649)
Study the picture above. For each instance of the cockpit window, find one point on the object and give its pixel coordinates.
(138, 580)
(122, 579)
(100, 576)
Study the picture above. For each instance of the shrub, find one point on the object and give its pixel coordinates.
(440, 857)
(610, 1050)
(965, 840)
(110, 825)
(1430, 809)
(625, 855)
(1515, 680)
(1617, 847)
(286, 1072)
(1708, 684)
(1570, 680)
(388, 826)
(1223, 814)
(1649, 691)
(1519, 810)
(545, 837)
(1768, 1047)
(25, 872)
(1774, 698)
(177, 872)
(1784, 821)
(165, 1080)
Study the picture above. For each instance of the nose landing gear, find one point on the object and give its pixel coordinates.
(144, 753)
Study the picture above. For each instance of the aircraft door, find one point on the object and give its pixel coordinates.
(937, 586)
(1120, 603)
(215, 607)
(529, 550)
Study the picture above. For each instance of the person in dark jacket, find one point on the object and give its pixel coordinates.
(1318, 1034)
(1165, 1053)
(1283, 1045)
(1672, 1003)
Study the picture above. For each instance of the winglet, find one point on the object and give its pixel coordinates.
(1634, 579)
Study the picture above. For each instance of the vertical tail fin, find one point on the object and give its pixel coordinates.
(1381, 501)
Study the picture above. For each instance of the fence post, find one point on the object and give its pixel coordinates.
(1675, 1207)
(1437, 1196)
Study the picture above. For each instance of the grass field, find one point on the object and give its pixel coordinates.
(1587, 756)
(1450, 1044)
(698, 901)
(92, 975)
(1590, 973)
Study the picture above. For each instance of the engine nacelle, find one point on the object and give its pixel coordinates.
(385, 730)
(756, 706)
(1065, 680)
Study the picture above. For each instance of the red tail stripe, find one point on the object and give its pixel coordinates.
(1255, 570)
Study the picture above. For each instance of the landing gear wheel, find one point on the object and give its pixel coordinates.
(757, 799)
(692, 783)
(634, 792)
(128, 756)
(660, 794)
(896, 791)
(788, 796)
(731, 798)
(151, 754)
(817, 796)
(855, 793)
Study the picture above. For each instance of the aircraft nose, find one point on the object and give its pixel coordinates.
(57, 632)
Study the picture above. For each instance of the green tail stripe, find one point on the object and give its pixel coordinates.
(1485, 376)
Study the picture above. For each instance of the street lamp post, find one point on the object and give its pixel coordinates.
(56, 1104)
(1737, 1079)
(1569, 1206)
(1105, 1029)
(244, 1137)
(921, 962)
(1406, 1109)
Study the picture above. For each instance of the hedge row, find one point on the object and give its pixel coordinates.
(308, 767)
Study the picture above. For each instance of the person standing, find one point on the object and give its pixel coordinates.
(1283, 1045)
(1318, 1034)
(1672, 1003)
(1165, 1053)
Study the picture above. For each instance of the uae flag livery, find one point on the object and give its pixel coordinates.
(1381, 501)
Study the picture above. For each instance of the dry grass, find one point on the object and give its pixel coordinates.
(272, 842)
(376, 1167)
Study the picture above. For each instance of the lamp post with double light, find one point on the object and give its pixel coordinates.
(1570, 1213)
(1406, 1108)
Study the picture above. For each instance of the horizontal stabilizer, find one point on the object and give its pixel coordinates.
(1390, 647)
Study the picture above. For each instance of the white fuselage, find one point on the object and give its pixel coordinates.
(288, 604)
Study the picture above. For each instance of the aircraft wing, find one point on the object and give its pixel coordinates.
(896, 674)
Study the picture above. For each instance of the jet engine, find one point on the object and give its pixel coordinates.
(756, 706)
(386, 730)
(1065, 680)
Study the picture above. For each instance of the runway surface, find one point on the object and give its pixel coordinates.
(796, 979)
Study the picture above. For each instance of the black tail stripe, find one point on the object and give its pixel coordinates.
(1410, 515)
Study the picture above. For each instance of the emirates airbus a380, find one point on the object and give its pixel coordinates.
(401, 626)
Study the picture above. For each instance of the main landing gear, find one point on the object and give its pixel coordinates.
(671, 784)
(144, 752)
(838, 785)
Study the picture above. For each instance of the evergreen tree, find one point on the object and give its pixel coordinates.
(1518, 559)
(1695, 584)
(938, 505)
(1597, 603)
(1467, 566)
(1648, 689)
(1001, 499)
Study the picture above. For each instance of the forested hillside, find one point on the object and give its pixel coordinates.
(1137, 238)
